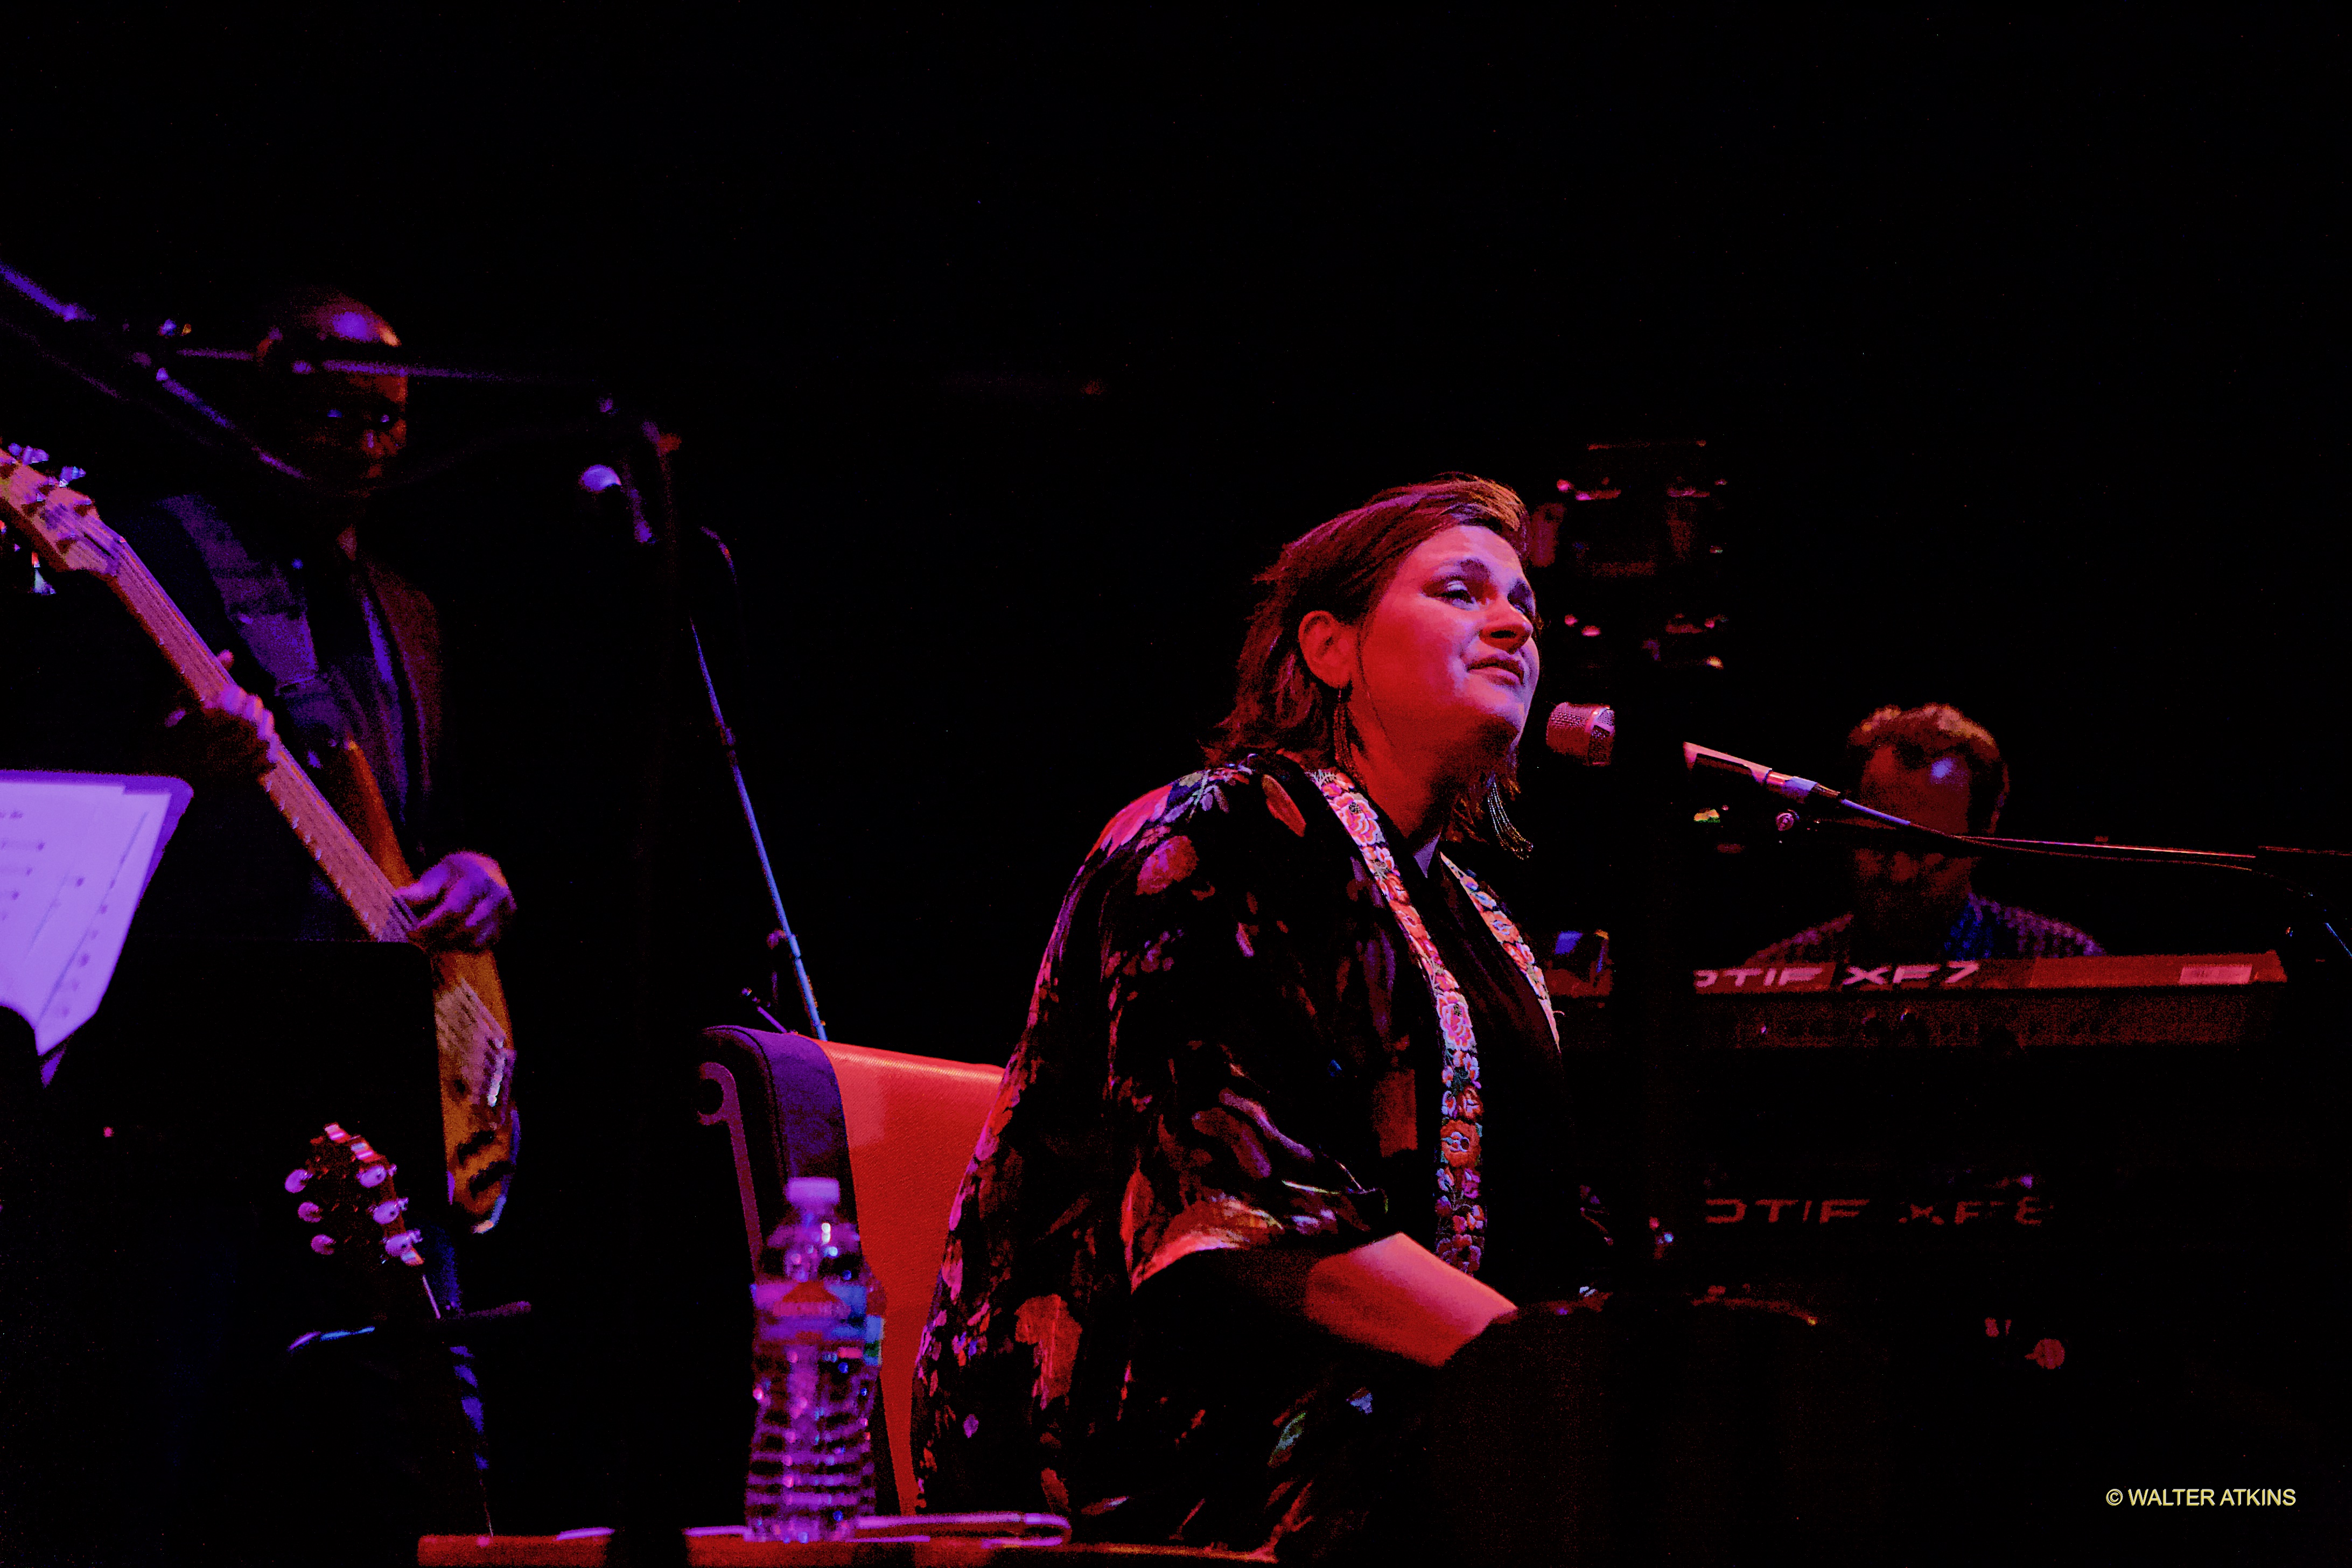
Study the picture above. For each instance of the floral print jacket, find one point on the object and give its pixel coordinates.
(1229, 1046)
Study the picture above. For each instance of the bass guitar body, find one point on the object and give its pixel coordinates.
(470, 1022)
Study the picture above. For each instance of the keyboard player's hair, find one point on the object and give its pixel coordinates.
(1920, 735)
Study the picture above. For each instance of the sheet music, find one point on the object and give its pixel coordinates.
(76, 853)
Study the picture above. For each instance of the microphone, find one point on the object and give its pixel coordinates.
(1582, 732)
(1696, 757)
(603, 480)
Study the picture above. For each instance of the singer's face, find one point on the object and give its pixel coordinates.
(1447, 658)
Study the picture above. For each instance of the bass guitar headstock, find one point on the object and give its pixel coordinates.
(61, 523)
(361, 1222)
(347, 1194)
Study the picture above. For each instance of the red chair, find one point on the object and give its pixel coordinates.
(907, 1124)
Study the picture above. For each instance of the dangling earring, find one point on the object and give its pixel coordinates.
(1343, 737)
(1507, 833)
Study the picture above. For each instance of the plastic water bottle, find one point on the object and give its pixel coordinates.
(815, 1364)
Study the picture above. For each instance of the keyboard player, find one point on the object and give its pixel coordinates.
(1935, 766)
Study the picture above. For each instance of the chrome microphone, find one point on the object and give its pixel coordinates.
(1582, 732)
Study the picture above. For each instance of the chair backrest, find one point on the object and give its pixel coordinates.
(907, 1126)
(912, 1123)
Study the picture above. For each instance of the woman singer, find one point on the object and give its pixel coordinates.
(1286, 1125)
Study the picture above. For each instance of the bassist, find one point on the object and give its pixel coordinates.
(282, 585)
(289, 564)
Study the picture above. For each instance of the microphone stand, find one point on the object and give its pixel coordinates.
(2321, 948)
(336, 356)
(2317, 939)
(653, 1490)
(137, 371)
(781, 935)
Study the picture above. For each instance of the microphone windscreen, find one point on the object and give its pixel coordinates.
(1582, 733)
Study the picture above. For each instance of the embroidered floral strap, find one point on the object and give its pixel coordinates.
(1506, 932)
(1461, 1218)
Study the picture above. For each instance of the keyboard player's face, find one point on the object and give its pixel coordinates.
(1903, 894)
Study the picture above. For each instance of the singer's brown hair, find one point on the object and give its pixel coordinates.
(1343, 567)
(1920, 735)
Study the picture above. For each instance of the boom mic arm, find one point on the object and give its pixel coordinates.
(2312, 911)
(1804, 791)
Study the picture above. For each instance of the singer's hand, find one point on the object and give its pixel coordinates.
(463, 904)
(225, 740)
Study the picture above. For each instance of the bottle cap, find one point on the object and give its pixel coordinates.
(813, 1192)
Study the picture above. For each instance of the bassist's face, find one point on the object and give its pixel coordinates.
(342, 429)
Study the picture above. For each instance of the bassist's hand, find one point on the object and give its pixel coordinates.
(226, 740)
(462, 904)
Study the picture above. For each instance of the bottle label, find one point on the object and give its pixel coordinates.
(798, 1299)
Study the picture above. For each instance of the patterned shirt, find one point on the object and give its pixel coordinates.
(1981, 930)
(1230, 1046)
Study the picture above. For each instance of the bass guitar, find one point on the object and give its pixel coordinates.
(469, 1008)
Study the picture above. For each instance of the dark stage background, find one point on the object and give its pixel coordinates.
(1004, 351)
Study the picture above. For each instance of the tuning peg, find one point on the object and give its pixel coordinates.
(373, 1175)
(298, 1178)
(389, 1210)
(32, 455)
(312, 1213)
(323, 1245)
(69, 474)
